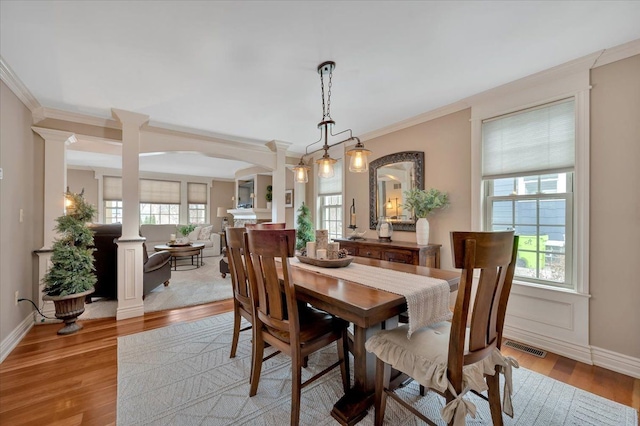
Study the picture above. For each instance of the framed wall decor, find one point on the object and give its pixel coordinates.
(288, 198)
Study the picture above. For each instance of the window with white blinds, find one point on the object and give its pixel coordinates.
(330, 202)
(527, 167)
(151, 191)
(531, 142)
(196, 193)
(159, 191)
(111, 188)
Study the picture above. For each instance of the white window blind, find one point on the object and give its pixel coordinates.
(111, 188)
(197, 193)
(536, 141)
(332, 185)
(159, 191)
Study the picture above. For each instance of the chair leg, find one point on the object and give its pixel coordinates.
(258, 353)
(422, 390)
(296, 388)
(493, 382)
(383, 374)
(305, 362)
(236, 331)
(343, 356)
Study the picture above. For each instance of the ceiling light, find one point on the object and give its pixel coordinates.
(359, 162)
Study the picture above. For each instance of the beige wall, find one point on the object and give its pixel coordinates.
(221, 193)
(21, 159)
(615, 207)
(446, 143)
(77, 180)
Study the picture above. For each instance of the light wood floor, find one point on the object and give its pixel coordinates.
(72, 380)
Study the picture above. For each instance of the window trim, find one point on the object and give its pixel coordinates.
(569, 283)
(576, 85)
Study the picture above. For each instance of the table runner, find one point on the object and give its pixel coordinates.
(427, 297)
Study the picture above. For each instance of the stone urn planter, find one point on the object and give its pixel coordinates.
(68, 309)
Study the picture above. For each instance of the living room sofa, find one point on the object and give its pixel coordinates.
(161, 234)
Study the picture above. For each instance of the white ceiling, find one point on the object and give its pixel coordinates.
(247, 70)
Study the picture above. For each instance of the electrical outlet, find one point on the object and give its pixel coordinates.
(17, 297)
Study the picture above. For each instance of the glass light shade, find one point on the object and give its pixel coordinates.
(302, 173)
(325, 167)
(359, 162)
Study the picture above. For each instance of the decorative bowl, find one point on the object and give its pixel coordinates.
(326, 263)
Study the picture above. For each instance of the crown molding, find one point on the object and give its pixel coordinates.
(618, 53)
(17, 86)
(418, 119)
(76, 117)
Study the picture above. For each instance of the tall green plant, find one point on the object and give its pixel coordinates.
(304, 231)
(72, 267)
(422, 202)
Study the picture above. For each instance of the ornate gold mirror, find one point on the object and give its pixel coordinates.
(389, 177)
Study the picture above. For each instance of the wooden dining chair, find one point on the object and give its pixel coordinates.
(242, 303)
(266, 225)
(450, 357)
(279, 322)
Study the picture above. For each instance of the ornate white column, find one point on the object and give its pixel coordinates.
(130, 243)
(55, 185)
(278, 180)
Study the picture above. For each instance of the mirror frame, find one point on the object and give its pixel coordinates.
(417, 158)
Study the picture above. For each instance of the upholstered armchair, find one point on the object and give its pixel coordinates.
(157, 269)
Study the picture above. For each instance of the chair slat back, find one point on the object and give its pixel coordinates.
(494, 255)
(237, 267)
(264, 247)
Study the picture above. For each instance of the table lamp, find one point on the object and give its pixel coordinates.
(222, 212)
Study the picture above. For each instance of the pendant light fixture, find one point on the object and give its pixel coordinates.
(359, 162)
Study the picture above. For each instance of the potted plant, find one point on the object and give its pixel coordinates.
(304, 232)
(185, 230)
(71, 277)
(422, 203)
(269, 196)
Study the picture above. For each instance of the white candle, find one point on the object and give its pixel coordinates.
(384, 230)
(311, 249)
(172, 237)
(352, 221)
(321, 253)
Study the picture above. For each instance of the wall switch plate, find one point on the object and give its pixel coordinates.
(17, 297)
(1, 173)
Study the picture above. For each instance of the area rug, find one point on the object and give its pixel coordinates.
(182, 375)
(187, 287)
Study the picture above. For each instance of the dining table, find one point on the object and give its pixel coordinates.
(369, 310)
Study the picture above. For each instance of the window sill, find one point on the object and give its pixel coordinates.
(527, 285)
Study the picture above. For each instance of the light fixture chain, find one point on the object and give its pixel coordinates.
(329, 94)
(324, 111)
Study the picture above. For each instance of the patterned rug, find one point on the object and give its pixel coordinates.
(188, 286)
(182, 375)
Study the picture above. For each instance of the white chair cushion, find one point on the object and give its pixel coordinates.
(424, 358)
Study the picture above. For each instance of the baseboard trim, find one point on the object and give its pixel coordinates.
(615, 361)
(18, 333)
(129, 312)
(570, 350)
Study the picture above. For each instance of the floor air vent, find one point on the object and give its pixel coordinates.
(524, 348)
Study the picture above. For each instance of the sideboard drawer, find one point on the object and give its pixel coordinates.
(369, 252)
(399, 256)
(350, 249)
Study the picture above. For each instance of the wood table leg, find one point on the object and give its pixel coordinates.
(353, 406)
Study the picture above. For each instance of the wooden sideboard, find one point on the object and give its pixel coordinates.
(394, 251)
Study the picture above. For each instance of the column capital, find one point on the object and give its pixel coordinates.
(55, 135)
(278, 146)
(128, 117)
